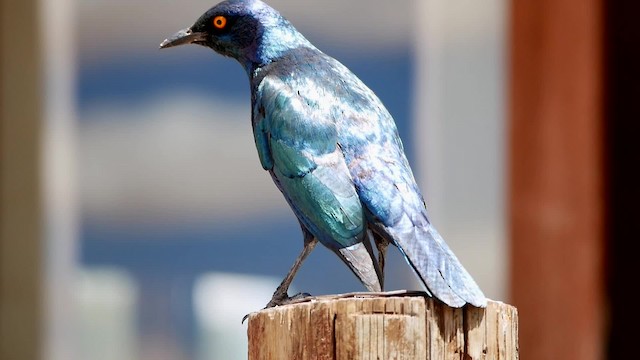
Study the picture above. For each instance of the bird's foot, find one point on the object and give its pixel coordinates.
(284, 299)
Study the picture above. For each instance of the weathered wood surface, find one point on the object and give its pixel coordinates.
(383, 328)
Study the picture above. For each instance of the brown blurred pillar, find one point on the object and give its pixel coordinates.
(21, 249)
(556, 177)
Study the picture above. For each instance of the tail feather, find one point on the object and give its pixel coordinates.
(363, 263)
(436, 265)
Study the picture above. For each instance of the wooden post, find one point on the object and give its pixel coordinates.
(409, 327)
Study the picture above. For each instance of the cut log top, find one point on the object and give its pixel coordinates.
(391, 327)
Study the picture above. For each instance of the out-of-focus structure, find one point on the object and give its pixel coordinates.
(557, 195)
(136, 222)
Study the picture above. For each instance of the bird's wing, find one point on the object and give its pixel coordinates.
(386, 187)
(397, 212)
(302, 152)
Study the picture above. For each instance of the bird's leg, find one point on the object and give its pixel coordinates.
(382, 244)
(280, 296)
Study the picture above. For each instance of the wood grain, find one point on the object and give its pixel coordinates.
(409, 327)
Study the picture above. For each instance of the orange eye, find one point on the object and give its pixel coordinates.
(220, 22)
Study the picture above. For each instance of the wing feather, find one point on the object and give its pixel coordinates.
(302, 153)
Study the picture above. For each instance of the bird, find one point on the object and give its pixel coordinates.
(334, 152)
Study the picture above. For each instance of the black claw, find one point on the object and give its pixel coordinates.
(244, 318)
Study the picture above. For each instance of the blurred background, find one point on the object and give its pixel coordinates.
(137, 222)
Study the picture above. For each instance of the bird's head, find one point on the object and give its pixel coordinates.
(248, 30)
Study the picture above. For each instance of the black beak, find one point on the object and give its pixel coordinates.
(184, 36)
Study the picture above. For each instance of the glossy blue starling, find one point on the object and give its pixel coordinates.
(333, 150)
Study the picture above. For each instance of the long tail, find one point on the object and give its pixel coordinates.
(433, 261)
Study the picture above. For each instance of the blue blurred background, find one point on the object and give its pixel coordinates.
(179, 230)
(136, 223)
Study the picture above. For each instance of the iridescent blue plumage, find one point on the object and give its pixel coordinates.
(333, 150)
